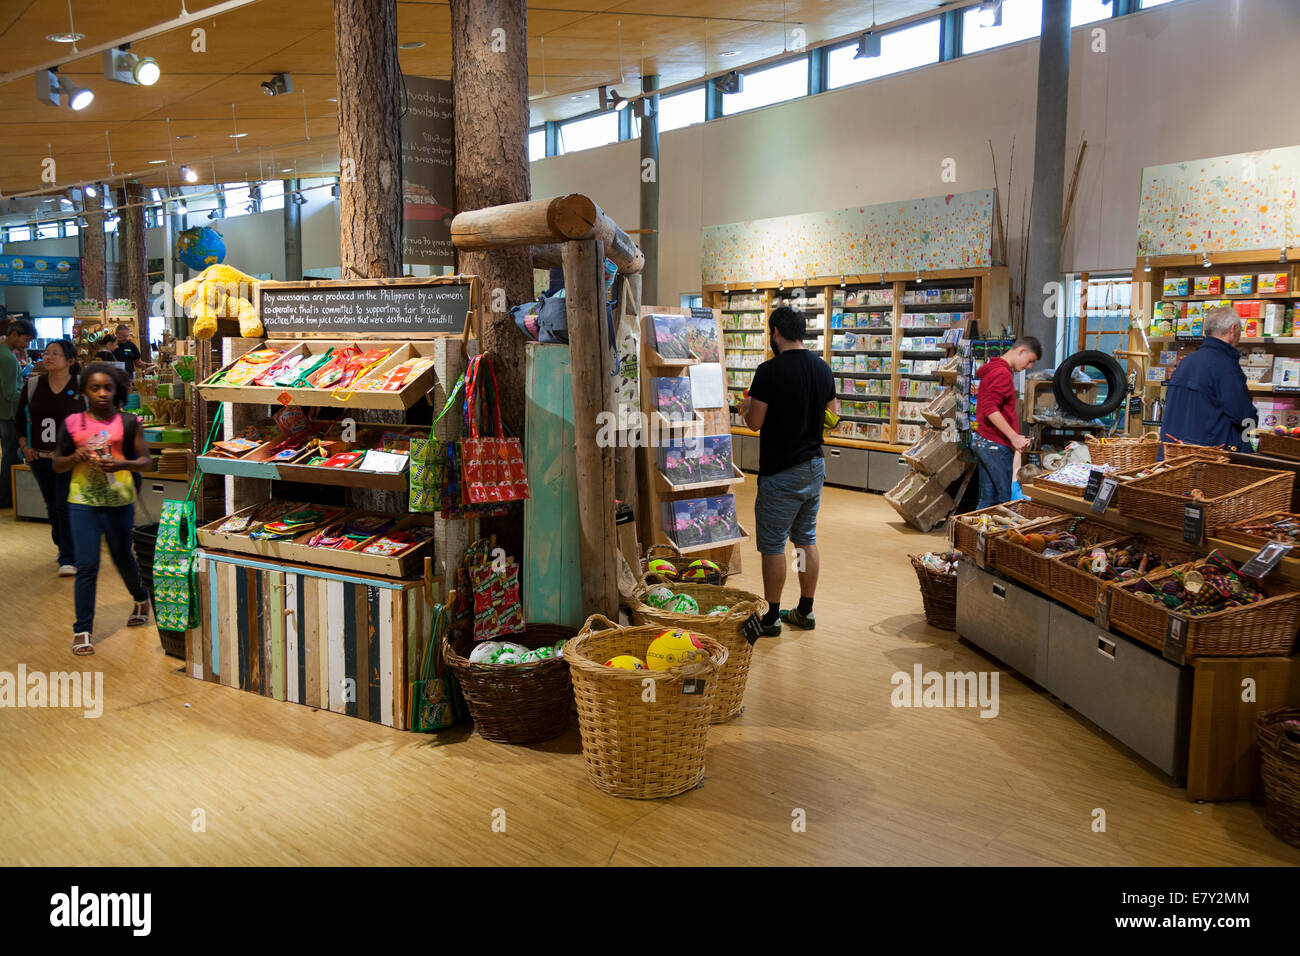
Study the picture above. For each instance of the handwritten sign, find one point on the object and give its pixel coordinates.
(408, 309)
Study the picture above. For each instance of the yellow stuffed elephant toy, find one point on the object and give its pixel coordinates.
(219, 292)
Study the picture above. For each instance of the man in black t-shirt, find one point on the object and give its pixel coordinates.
(127, 352)
(786, 405)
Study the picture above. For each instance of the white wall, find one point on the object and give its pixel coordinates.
(28, 298)
(1191, 79)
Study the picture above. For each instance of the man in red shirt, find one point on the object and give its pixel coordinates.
(997, 429)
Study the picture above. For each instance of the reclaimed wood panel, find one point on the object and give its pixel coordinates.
(334, 631)
(292, 649)
(384, 609)
(310, 638)
(275, 624)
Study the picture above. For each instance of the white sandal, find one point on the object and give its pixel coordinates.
(139, 614)
(81, 645)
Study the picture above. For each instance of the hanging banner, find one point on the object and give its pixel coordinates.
(40, 270)
(60, 296)
(428, 172)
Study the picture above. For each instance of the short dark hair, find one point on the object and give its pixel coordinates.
(121, 384)
(1031, 343)
(792, 324)
(121, 325)
(22, 327)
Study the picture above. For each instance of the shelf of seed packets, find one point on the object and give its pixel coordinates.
(744, 340)
(688, 463)
(972, 356)
(863, 360)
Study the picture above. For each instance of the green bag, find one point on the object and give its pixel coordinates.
(428, 462)
(174, 579)
(433, 700)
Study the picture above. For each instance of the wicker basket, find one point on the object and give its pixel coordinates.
(1280, 768)
(1124, 453)
(964, 528)
(1232, 493)
(726, 629)
(1278, 446)
(516, 703)
(1045, 481)
(938, 594)
(1030, 567)
(1238, 533)
(1265, 628)
(1076, 588)
(634, 748)
(669, 552)
(1177, 449)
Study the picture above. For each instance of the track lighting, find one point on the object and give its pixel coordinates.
(611, 99)
(278, 85)
(1147, 266)
(55, 90)
(182, 209)
(843, 281)
(1205, 260)
(868, 46)
(123, 66)
(725, 290)
(990, 13)
(1281, 257)
(918, 275)
(334, 191)
(189, 175)
(733, 82)
(90, 191)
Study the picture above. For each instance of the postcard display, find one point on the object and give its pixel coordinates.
(689, 473)
(319, 605)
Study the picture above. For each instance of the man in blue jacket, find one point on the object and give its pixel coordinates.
(1207, 402)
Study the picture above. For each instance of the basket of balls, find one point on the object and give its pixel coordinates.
(711, 609)
(645, 695)
(1279, 442)
(666, 561)
(517, 689)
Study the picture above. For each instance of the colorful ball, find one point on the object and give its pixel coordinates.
(530, 658)
(1279, 430)
(662, 567)
(659, 597)
(719, 609)
(1295, 432)
(559, 647)
(484, 653)
(626, 662)
(684, 604)
(507, 657)
(673, 648)
(700, 570)
(542, 653)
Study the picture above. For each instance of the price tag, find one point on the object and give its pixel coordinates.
(1104, 495)
(1266, 559)
(1101, 614)
(693, 685)
(1193, 523)
(1094, 484)
(981, 548)
(285, 399)
(1175, 647)
(752, 628)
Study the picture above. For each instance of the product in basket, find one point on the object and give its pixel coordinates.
(1286, 529)
(248, 367)
(673, 648)
(700, 569)
(626, 662)
(395, 378)
(1000, 517)
(945, 562)
(294, 523)
(1076, 474)
(1051, 544)
(659, 597)
(233, 447)
(662, 567)
(396, 542)
(250, 521)
(1212, 585)
(719, 609)
(1156, 469)
(1120, 562)
(350, 534)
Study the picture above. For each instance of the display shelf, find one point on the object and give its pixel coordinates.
(668, 487)
(1288, 296)
(714, 545)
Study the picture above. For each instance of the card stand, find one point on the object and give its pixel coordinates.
(666, 486)
(349, 477)
(686, 428)
(712, 545)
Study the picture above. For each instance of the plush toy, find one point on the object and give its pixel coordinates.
(220, 291)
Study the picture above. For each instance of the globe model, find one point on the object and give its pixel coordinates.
(200, 247)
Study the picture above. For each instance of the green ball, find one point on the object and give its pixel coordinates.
(542, 653)
(719, 609)
(684, 604)
(659, 597)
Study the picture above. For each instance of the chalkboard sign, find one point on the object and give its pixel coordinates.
(364, 309)
(1193, 523)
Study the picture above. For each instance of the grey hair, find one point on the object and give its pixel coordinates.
(1219, 321)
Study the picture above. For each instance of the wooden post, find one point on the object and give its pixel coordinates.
(134, 265)
(94, 278)
(541, 221)
(589, 347)
(370, 103)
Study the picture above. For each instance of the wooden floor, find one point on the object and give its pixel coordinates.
(282, 784)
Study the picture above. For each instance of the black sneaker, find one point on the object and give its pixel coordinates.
(771, 630)
(795, 619)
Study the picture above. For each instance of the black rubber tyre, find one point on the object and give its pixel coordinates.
(1111, 370)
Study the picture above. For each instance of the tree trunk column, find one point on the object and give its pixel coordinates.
(94, 278)
(134, 262)
(370, 155)
(489, 55)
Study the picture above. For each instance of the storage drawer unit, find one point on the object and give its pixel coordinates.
(745, 451)
(846, 466)
(1123, 687)
(153, 492)
(28, 502)
(885, 470)
(1008, 621)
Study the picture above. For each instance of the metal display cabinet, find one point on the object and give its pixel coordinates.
(744, 449)
(846, 466)
(1009, 621)
(885, 470)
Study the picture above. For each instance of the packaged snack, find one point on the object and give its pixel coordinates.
(1238, 285)
(1175, 286)
(344, 459)
(1272, 282)
(1207, 285)
(396, 542)
(248, 366)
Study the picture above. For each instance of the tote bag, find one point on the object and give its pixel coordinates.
(492, 465)
(428, 461)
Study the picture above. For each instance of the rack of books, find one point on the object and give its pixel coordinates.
(687, 462)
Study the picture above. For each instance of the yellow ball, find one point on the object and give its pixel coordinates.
(671, 649)
(626, 662)
(662, 567)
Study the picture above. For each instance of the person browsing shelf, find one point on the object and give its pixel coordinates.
(997, 427)
(1207, 401)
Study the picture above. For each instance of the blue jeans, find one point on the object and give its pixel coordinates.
(786, 506)
(9, 456)
(89, 525)
(54, 489)
(995, 470)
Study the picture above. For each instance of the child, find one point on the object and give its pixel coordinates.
(1024, 476)
(101, 447)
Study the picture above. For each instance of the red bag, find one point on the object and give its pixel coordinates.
(492, 465)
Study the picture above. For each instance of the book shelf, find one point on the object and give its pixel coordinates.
(881, 335)
(705, 432)
(1270, 345)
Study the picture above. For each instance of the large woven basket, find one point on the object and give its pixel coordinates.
(634, 747)
(1280, 768)
(1177, 449)
(515, 703)
(1278, 446)
(1028, 566)
(726, 629)
(964, 528)
(938, 595)
(1241, 534)
(1262, 629)
(1230, 493)
(1077, 588)
(1045, 481)
(1124, 453)
(681, 562)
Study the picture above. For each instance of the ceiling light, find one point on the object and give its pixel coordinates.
(287, 169)
(181, 208)
(411, 45)
(186, 136)
(611, 99)
(642, 108)
(990, 14)
(334, 190)
(918, 275)
(579, 96)
(236, 135)
(123, 66)
(90, 191)
(733, 82)
(216, 214)
(54, 90)
(333, 99)
(65, 37)
(1205, 260)
(1147, 266)
(156, 162)
(868, 46)
(278, 85)
(729, 53)
(1281, 257)
(189, 175)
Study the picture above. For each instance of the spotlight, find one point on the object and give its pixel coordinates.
(123, 66)
(1205, 260)
(216, 214)
(278, 85)
(1147, 266)
(189, 175)
(990, 13)
(90, 191)
(733, 82)
(725, 290)
(1281, 257)
(611, 99)
(55, 90)
(918, 275)
(868, 46)
(843, 281)
(182, 209)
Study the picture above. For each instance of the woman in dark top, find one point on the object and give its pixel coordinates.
(44, 403)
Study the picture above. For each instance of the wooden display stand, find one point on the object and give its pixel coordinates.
(655, 488)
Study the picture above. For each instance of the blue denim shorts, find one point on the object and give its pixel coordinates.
(786, 506)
